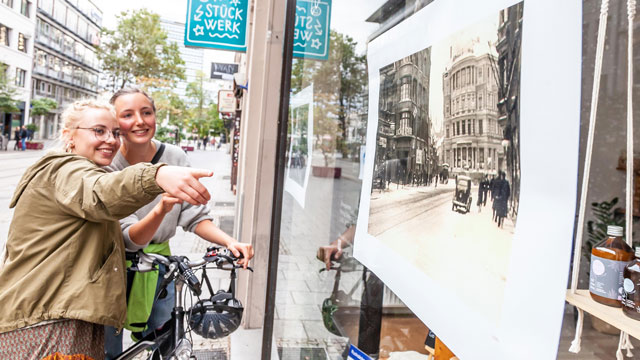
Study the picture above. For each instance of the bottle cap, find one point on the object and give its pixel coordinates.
(614, 230)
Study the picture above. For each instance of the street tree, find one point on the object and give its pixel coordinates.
(41, 107)
(8, 101)
(346, 87)
(138, 49)
(170, 110)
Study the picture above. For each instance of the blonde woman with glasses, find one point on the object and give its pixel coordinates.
(63, 276)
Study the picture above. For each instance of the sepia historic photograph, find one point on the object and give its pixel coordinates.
(446, 178)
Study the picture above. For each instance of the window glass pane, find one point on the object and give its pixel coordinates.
(4, 35)
(22, 43)
(327, 310)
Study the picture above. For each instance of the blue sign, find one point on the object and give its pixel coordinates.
(311, 32)
(357, 354)
(218, 24)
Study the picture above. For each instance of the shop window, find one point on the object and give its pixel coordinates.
(21, 76)
(4, 35)
(22, 43)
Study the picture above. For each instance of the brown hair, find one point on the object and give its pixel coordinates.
(132, 90)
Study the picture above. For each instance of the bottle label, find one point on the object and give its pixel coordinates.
(629, 294)
(605, 278)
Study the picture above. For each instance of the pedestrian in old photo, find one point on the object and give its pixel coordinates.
(502, 196)
(62, 278)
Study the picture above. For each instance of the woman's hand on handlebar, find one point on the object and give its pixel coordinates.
(244, 252)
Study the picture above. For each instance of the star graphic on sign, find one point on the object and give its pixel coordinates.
(315, 43)
(199, 30)
(235, 2)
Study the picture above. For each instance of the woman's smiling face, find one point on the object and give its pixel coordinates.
(96, 136)
(136, 117)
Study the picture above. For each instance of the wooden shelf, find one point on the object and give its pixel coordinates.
(611, 315)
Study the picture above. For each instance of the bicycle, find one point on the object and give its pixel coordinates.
(212, 318)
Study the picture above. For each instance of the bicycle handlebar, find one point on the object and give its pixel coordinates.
(221, 257)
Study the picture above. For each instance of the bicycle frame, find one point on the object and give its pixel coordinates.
(167, 339)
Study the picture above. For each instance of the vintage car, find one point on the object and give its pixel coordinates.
(462, 195)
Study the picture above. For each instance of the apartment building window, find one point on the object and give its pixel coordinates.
(24, 8)
(479, 127)
(46, 6)
(60, 11)
(447, 134)
(405, 128)
(72, 20)
(404, 90)
(463, 127)
(21, 76)
(22, 43)
(9, 3)
(4, 35)
(82, 28)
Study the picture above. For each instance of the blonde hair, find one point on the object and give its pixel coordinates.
(72, 115)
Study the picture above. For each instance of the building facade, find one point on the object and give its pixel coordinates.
(404, 129)
(193, 57)
(472, 135)
(17, 23)
(508, 48)
(65, 65)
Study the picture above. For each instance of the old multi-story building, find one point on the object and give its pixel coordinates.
(65, 66)
(472, 136)
(17, 22)
(403, 118)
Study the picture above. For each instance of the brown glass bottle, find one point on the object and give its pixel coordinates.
(608, 260)
(631, 287)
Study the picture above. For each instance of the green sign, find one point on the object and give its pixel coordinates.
(311, 33)
(218, 24)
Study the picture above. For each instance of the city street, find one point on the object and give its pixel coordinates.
(418, 223)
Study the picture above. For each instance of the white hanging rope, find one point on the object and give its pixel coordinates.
(619, 355)
(575, 344)
(624, 343)
(577, 251)
(631, 12)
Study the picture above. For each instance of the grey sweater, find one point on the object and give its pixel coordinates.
(185, 215)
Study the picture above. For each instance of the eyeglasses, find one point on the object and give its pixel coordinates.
(102, 133)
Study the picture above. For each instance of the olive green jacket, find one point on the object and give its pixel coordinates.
(65, 254)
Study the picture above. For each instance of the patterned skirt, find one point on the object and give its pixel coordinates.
(60, 340)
